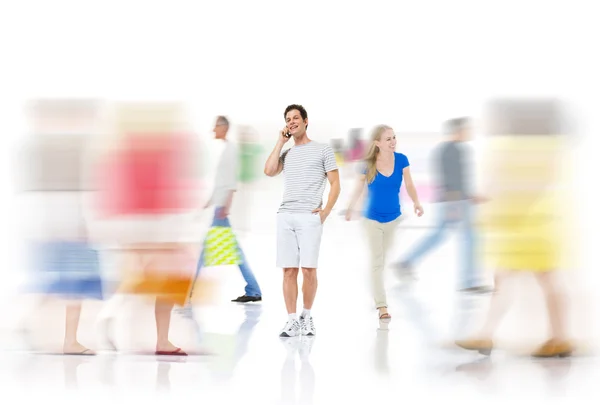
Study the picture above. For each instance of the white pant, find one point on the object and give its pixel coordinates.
(298, 239)
(381, 236)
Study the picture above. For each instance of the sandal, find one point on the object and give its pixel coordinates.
(385, 315)
(176, 352)
(86, 352)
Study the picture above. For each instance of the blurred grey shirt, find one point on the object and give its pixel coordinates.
(452, 167)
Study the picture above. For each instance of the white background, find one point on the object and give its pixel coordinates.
(410, 64)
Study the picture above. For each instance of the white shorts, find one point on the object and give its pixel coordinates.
(298, 239)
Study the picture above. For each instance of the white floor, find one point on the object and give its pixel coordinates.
(354, 358)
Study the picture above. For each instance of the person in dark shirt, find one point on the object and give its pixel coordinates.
(452, 164)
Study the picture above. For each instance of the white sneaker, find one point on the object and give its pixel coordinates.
(307, 326)
(291, 329)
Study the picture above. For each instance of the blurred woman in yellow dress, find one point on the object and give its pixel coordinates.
(523, 217)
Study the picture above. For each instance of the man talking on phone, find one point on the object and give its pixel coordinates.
(306, 166)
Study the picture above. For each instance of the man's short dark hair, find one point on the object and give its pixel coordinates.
(455, 125)
(222, 120)
(298, 107)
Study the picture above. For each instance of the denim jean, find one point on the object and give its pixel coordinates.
(463, 218)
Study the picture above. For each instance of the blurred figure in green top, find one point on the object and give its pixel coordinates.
(249, 154)
(250, 168)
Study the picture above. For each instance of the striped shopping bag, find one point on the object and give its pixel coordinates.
(221, 247)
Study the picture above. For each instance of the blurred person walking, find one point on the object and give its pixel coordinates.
(222, 199)
(522, 219)
(456, 200)
(250, 172)
(65, 264)
(148, 188)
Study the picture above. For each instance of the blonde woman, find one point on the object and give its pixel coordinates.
(382, 176)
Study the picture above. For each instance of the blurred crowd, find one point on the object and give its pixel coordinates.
(129, 179)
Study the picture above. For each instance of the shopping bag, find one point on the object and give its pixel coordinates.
(221, 248)
(164, 270)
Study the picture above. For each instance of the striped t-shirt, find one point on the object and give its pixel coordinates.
(305, 170)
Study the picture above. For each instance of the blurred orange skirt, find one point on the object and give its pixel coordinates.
(165, 271)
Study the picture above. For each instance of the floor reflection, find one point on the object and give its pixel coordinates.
(382, 343)
(297, 385)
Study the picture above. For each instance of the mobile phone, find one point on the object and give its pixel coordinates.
(288, 134)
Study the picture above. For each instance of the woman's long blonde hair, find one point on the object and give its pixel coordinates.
(373, 151)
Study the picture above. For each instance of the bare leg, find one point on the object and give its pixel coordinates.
(290, 289)
(71, 345)
(309, 287)
(554, 304)
(498, 308)
(162, 313)
(499, 305)
(558, 345)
